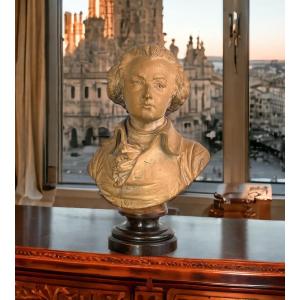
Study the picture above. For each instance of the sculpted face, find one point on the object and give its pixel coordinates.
(149, 85)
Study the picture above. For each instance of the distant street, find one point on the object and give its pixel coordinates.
(75, 167)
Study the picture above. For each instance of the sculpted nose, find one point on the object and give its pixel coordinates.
(147, 94)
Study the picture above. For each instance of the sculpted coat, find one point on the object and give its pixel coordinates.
(152, 176)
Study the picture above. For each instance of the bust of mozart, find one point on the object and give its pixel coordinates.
(147, 161)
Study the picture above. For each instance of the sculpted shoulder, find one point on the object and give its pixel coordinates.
(195, 158)
(96, 163)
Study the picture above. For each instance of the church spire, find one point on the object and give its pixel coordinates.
(173, 48)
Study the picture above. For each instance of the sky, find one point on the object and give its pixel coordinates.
(203, 18)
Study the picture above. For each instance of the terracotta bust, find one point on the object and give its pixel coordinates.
(147, 162)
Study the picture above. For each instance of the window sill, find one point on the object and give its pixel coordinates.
(186, 204)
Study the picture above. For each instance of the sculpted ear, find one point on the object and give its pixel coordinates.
(115, 85)
(183, 84)
(113, 82)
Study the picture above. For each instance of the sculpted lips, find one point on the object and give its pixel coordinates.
(148, 106)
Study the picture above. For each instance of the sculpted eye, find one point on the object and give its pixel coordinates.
(160, 85)
(136, 82)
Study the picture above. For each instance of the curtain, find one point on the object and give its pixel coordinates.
(30, 97)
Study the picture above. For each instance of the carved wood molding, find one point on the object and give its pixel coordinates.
(35, 291)
(237, 266)
(43, 291)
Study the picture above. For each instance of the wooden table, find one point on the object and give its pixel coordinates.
(61, 253)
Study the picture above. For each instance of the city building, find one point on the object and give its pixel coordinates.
(93, 45)
(266, 110)
(197, 110)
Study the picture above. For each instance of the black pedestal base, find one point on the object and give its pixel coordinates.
(142, 234)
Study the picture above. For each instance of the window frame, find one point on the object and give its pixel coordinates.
(52, 155)
(235, 102)
(236, 96)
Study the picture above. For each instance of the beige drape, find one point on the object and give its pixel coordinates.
(30, 97)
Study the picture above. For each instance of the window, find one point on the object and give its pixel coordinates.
(72, 92)
(86, 92)
(267, 83)
(221, 94)
(200, 118)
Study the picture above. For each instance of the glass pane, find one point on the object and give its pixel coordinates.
(266, 88)
(97, 32)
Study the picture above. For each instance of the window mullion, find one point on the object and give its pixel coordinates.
(236, 95)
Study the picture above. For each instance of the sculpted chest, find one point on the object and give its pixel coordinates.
(150, 168)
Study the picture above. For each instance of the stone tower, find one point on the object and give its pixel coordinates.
(174, 49)
(129, 23)
(106, 8)
(133, 23)
(91, 47)
(74, 31)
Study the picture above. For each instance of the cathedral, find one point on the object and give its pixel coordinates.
(93, 45)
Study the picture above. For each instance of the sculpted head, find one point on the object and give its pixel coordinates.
(148, 82)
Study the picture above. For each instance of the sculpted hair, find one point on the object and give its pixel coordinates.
(116, 75)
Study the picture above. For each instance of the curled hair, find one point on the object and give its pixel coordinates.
(116, 75)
